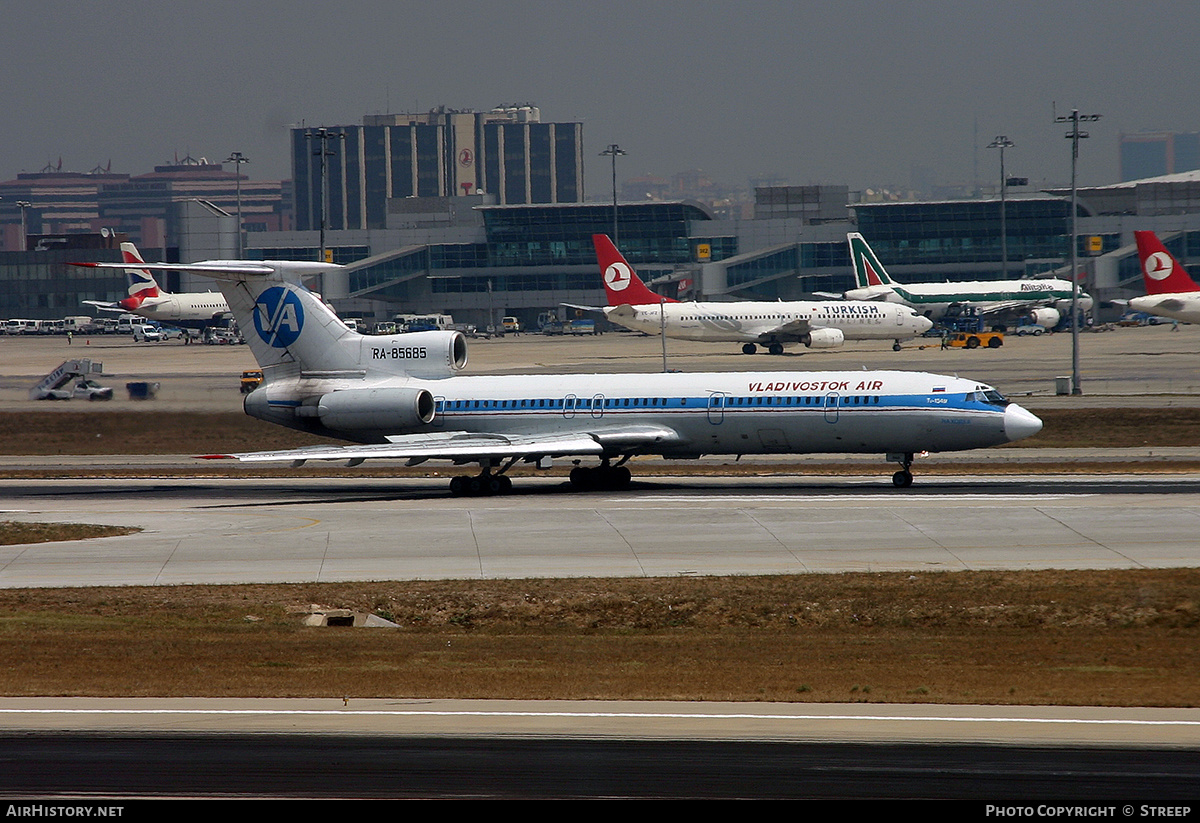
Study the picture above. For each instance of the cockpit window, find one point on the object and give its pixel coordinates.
(993, 397)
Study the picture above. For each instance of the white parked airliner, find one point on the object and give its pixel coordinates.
(820, 324)
(1170, 291)
(402, 397)
(1042, 300)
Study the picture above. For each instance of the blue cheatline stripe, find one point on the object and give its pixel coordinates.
(732, 403)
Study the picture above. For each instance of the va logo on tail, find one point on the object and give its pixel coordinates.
(278, 316)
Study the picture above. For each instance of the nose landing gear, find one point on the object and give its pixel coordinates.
(903, 478)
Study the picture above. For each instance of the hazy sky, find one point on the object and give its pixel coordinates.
(857, 93)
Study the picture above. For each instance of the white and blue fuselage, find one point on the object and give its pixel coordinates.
(697, 414)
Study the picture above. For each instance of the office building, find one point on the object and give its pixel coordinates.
(507, 153)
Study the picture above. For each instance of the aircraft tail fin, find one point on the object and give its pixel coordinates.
(142, 284)
(1161, 272)
(621, 283)
(291, 329)
(868, 271)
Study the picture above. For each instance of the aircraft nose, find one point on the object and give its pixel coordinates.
(924, 324)
(1019, 423)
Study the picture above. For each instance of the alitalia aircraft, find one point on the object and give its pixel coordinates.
(1170, 291)
(816, 324)
(1044, 301)
(402, 396)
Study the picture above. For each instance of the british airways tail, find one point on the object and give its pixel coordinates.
(1161, 272)
(868, 271)
(142, 284)
(621, 283)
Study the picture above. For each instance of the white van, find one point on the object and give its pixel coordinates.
(79, 324)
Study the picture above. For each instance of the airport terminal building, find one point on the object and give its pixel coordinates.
(478, 258)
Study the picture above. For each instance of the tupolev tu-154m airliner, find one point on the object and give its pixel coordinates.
(402, 396)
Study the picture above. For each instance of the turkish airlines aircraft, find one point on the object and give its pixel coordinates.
(402, 397)
(816, 324)
(1043, 300)
(1170, 291)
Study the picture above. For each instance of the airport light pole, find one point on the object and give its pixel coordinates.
(23, 205)
(237, 158)
(324, 152)
(1075, 135)
(614, 151)
(1001, 142)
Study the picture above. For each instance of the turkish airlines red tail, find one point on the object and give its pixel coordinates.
(1160, 270)
(621, 283)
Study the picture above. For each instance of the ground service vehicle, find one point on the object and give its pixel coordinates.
(975, 339)
(251, 380)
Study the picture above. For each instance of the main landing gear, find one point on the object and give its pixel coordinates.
(601, 478)
(903, 478)
(772, 348)
(896, 345)
(483, 484)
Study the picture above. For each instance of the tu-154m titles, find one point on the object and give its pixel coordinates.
(403, 397)
(817, 324)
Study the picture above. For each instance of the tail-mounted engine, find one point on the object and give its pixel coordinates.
(425, 354)
(388, 410)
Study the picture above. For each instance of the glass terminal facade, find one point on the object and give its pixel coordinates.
(962, 232)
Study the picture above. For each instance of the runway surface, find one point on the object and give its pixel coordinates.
(464, 748)
(328, 529)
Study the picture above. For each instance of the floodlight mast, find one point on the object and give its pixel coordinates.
(237, 158)
(1002, 142)
(1075, 135)
(614, 151)
(324, 135)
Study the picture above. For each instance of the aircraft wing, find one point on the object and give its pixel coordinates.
(1001, 306)
(795, 329)
(468, 447)
(1167, 304)
(102, 306)
(584, 308)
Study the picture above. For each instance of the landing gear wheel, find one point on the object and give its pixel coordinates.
(902, 479)
(896, 346)
(775, 348)
(480, 485)
(749, 348)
